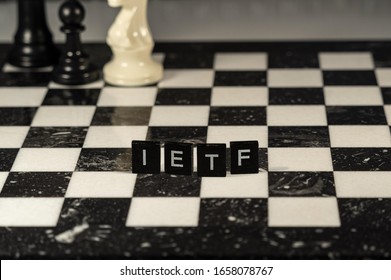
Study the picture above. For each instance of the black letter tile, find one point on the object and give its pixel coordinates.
(208, 155)
(178, 158)
(244, 157)
(145, 157)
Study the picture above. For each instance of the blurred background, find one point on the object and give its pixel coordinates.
(231, 20)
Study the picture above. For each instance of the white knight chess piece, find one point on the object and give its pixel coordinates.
(131, 43)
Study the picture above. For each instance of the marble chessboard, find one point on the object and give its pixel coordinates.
(320, 111)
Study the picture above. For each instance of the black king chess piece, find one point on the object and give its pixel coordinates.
(33, 45)
(74, 67)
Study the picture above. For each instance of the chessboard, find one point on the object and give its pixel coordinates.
(321, 113)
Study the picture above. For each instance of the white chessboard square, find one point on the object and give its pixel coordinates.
(114, 136)
(179, 116)
(227, 134)
(363, 184)
(346, 61)
(295, 78)
(12, 136)
(239, 96)
(360, 136)
(187, 79)
(236, 186)
(22, 97)
(30, 212)
(101, 185)
(163, 212)
(353, 96)
(383, 77)
(64, 116)
(3, 178)
(296, 115)
(117, 97)
(46, 159)
(96, 84)
(303, 212)
(240, 61)
(300, 159)
(387, 109)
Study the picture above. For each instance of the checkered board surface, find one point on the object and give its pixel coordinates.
(322, 119)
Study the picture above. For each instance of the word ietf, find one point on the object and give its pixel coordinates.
(211, 158)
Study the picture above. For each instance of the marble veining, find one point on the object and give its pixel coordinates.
(320, 111)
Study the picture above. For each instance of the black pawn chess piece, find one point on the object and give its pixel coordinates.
(33, 45)
(74, 67)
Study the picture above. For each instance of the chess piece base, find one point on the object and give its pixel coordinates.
(75, 72)
(33, 56)
(132, 68)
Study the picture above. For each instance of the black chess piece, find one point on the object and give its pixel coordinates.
(74, 67)
(33, 45)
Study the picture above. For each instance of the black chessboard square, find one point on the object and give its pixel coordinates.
(4, 50)
(382, 59)
(17, 116)
(165, 185)
(356, 115)
(188, 60)
(94, 211)
(262, 159)
(36, 184)
(371, 213)
(294, 184)
(294, 136)
(386, 95)
(233, 212)
(7, 158)
(25, 79)
(237, 116)
(183, 96)
(240, 78)
(361, 159)
(293, 60)
(349, 78)
(191, 134)
(105, 160)
(122, 116)
(296, 96)
(55, 137)
(71, 97)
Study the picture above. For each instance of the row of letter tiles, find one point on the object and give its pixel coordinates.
(119, 159)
